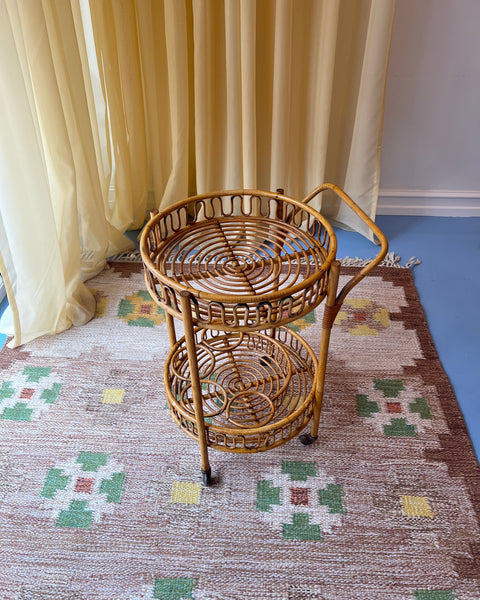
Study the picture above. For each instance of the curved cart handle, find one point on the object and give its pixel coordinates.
(371, 225)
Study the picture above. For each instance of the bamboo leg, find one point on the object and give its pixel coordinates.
(196, 385)
(172, 336)
(276, 279)
(331, 310)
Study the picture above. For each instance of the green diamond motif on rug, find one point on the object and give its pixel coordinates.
(81, 491)
(399, 428)
(365, 408)
(91, 461)
(299, 471)
(332, 496)
(28, 393)
(435, 595)
(7, 390)
(390, 387)
(36, 373)
(396, 407)
(300, 500)
(306, 321)
(301, 529)
(76, 516)
(168, 588)
(139, 310)
(112, 488)
(19, 412)
(173, 589)
(421, 407)
(54, 482)
(267, 495)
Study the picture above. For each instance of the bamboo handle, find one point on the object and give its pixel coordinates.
(371, 225)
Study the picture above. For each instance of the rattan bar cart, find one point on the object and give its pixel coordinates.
(236, 267)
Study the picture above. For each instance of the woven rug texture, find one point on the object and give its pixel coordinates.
(101, 494)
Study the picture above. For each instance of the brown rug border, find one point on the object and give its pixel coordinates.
(463, 464)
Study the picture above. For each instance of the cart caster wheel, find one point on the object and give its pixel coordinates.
(265, 361)
(307, 439)
(207, 477)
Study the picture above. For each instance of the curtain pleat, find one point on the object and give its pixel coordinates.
(248, 76)
(121, 75)
(179, 87)
(127, 105)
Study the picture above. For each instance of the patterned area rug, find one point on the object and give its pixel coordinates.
(101, 495)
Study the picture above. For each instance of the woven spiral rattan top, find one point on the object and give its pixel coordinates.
(249, 259)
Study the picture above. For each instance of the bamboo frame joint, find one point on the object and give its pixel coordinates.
(330, 314)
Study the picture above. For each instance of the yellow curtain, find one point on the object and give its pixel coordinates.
(56, 226)
(176, 97)
(224, 94)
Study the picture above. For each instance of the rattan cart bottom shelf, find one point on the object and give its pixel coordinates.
(257, 389)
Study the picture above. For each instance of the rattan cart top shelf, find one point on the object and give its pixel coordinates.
(248, 260)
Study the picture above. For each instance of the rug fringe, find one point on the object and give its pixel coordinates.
(390, 260)
(128, 256)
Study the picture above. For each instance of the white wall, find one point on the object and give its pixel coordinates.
(431, 139)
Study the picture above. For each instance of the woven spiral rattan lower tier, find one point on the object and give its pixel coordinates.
(257, 390)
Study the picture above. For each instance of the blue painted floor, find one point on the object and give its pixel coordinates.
(448, 283)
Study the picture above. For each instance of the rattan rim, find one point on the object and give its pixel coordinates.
(256, 298)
